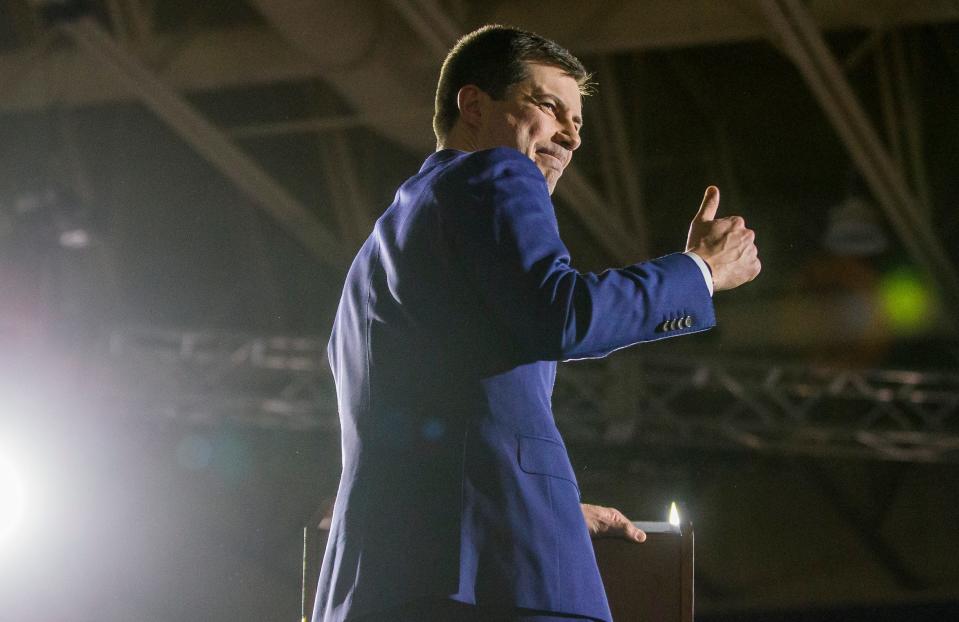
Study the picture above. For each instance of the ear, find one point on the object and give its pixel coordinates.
(471, 101)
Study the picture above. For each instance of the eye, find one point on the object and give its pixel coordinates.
(548, 106)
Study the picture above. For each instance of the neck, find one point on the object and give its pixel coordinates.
(459, 138)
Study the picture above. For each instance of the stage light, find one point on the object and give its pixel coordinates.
(673, 514)
(11, 497)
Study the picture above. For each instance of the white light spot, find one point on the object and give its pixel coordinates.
(75, 239)
(673, 514)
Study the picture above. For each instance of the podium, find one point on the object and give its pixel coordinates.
(647, 582)
(651, 581)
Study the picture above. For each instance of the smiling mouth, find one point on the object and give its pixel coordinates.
(557, 163)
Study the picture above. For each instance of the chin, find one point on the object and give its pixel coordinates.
(551, 176)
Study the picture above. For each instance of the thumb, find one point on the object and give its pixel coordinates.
(710, 205)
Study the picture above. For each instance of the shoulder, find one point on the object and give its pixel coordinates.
(492, 186)
(478, 167)
(500, 156)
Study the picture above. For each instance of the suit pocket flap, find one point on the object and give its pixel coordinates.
(544, 456)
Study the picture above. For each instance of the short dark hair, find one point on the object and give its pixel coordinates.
(493, 58)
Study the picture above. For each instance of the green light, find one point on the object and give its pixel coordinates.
(905, 300)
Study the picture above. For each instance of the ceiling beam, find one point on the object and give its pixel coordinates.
(207, 140)
(430, 23)
(118, 21)
(250, 55)
(346, 193)
(140, 16)
(608, 27)
(373, 62)
(214, 59)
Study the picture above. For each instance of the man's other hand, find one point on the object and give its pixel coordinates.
(725, 244)
(610, 523)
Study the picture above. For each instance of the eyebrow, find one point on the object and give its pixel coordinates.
(540, 92)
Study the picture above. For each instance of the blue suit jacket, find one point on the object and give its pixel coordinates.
(455, 479)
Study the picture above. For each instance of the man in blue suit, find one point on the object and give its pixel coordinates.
(457, 500)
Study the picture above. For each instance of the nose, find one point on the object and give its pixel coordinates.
(568, 136)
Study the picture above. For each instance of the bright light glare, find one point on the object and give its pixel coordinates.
(11, 498)
(673, 514)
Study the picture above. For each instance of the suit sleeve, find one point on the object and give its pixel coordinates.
(502, 230)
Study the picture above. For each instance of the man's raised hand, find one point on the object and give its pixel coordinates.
(725, 244)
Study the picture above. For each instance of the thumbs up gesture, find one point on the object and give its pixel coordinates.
(725, 244)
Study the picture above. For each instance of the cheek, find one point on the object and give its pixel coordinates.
(529, 124)
(508, 133)
(537, 129)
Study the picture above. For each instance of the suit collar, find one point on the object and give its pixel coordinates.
(438, 157)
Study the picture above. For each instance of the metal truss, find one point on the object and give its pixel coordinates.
(207, 378)
(622, 401)
(700, 401)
